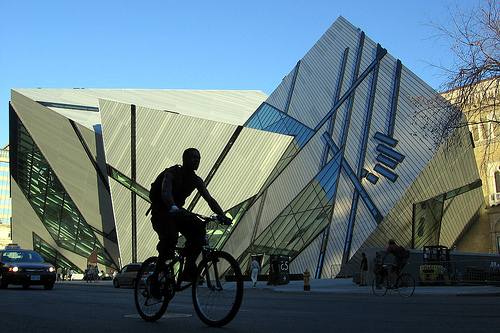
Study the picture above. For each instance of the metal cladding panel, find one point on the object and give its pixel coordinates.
(406, 132)
(115, 123)
(364, 227)
(161, 138)
(340, 219)
(58, 142)
(25, 222)
(309, 94)
(280, 95)
(308, 259)
(93, 141)
(317, 79)
(147, 238)
(161, 144)
(229, 106)
(246, 167)
(177, 133)
(313, 91)
(241, 235)
(123, 221)
(447, 170)
(301, 170)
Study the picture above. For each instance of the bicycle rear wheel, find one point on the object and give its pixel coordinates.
(218, 298)
(405, 285)
(379, 285)
(149, 308)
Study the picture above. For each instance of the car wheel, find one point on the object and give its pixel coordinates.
(3, 285)
(116, 284)
(49, 286)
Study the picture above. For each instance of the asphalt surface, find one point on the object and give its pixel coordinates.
(347, 286)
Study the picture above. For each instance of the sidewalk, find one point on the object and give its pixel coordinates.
(341, 286)
(105, 283)
(346, 286)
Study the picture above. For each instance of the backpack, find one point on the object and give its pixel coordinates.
(155, 194)
(402, 253)
(155, 191)
(184, 187)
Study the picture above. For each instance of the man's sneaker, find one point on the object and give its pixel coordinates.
(154, 288)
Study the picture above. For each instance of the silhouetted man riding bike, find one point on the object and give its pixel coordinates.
(168, 195)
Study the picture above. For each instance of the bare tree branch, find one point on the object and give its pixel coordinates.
(472, 83)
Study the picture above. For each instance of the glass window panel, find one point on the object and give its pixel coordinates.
(304, 200)
(285, 226)
(495, 129)
(497, 181)
(48, 199)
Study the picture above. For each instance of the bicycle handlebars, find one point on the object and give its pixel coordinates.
(214, 218)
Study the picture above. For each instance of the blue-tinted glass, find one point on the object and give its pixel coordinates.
(372, 178)
(386, 139)
(387, 161)
(52, 255)
(273, 120)
(386, 172)
(391, 153)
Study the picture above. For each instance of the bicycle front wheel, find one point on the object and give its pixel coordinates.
(405, 285)
(149, 308)
(379, 285)
(218, 289)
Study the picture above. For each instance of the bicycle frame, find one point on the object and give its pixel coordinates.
(182, 261)
(215, 304)
(206, 252)
(404, 284)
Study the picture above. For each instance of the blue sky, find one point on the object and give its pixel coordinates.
(164, 44)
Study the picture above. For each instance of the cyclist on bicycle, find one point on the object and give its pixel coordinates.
(168, 217)
(399, 261)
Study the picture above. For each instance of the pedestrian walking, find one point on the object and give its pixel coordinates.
(255, 267)
(364, 268)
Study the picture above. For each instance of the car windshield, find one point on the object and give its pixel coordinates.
(21, 256)
(131, 268)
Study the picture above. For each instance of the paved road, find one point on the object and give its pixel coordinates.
(74, 306)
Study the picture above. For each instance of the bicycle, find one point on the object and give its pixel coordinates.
(405, 284)
(217, 289)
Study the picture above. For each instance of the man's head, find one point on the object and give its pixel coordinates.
(191, 159)
(391, 242)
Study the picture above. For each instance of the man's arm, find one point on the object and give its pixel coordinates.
(166, 191)
(212, 203)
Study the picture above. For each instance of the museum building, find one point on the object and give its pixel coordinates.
(340, 157)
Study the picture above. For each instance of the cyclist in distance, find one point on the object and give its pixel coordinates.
(399, 261)
(168, 195)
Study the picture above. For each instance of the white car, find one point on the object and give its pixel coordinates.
(127, 276)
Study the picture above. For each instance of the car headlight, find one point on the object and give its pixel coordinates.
(52, 269)
(14, 269)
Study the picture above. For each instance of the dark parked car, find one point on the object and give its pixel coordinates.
(127, 276)
(26, 268)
